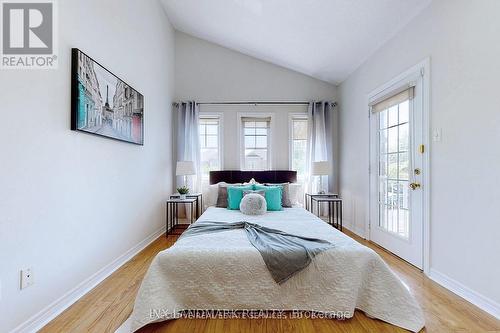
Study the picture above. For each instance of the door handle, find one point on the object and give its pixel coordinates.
(414, 186)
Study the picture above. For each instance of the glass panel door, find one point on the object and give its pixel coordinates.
(394, 166)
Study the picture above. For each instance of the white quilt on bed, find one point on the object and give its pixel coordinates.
(224, 271)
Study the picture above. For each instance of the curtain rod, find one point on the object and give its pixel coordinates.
(333, 104)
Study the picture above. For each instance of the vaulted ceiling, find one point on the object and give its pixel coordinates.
(326, 39)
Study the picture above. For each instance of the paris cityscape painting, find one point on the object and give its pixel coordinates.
(102, 104)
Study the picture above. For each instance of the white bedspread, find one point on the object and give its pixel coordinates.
(224, 271)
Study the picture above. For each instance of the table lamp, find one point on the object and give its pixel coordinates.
(320, 168)
(184, 168)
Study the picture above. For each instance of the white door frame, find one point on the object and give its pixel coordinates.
(424, 68)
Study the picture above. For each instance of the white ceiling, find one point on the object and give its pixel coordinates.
(326, 39)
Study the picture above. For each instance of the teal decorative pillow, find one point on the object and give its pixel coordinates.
(234, 196)
(273, 196)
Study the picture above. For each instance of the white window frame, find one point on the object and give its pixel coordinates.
(270, 141)
(220, 117)
(291, 118)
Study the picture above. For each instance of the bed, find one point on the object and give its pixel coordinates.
(223, 271)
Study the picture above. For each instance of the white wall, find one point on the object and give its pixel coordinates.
(71, 203)
(207, 72)
(461, 37)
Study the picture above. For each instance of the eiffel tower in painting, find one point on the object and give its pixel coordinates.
(107, 111)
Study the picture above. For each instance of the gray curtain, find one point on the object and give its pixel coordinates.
(188, 141)
(320, 141)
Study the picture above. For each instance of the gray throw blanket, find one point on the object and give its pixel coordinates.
(284, 254)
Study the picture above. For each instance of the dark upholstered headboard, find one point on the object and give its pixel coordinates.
(237, 176)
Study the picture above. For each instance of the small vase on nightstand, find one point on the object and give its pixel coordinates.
(182, 192)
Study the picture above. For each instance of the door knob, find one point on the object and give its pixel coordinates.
(414, 186)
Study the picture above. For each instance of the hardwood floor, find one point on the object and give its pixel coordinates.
(110, 303)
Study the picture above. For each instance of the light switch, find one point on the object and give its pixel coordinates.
(26, 277)
(436, 135)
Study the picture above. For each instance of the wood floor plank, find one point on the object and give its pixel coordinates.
(108, 305)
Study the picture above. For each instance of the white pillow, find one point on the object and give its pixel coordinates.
(210, 195)
(295, 192)
(251, 182)
(253, 204)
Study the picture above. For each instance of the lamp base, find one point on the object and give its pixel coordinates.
(320, 186)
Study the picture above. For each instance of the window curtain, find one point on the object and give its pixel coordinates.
(188, 142)
(320, 141)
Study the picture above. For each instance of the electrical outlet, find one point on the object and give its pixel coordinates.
(27, 277)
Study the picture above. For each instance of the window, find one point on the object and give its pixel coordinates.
(298, 148)
(394, 168)
(210, 147)
(256, 143)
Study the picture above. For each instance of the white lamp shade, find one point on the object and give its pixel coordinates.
(185, 168)
(320, 168)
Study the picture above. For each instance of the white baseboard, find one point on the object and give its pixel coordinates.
(482, 302)
(43, 317)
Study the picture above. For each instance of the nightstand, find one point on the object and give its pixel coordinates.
(172, 218)
(199, 201)
(334, 210)
(310, 196)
